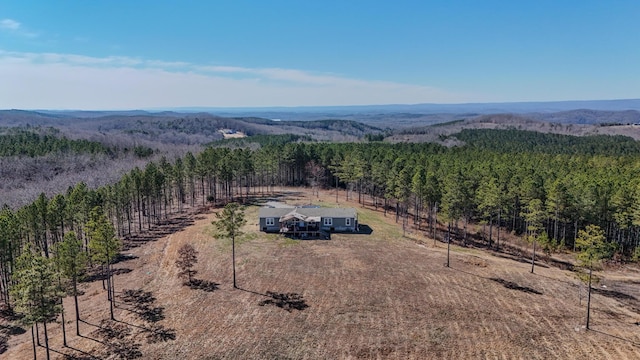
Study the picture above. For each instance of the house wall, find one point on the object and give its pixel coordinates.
(340, 225)
(265, 228)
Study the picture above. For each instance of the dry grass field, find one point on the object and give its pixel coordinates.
(356, 296)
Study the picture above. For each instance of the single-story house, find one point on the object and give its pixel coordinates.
(308, 220)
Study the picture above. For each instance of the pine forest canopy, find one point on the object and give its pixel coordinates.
(39, 142)
(35, 142)
(496, 175)
(509, 141)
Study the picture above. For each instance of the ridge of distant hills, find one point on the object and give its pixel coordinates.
(181, 128)
(427, 108)
(338, 123)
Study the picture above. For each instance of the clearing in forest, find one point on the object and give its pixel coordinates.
(370, 296)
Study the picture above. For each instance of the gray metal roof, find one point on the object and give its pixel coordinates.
(312, 212)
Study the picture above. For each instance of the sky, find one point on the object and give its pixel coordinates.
(122, 54)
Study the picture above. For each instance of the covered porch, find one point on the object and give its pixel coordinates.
(300, 226)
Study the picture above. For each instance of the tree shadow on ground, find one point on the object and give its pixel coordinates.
(519, 259)
(204, 285)
(90, 324)
(613, 294)
(152, 314)
(82, 356)
(525, 256)
(12, 330)
(6, 331)
(92, 333)
(513, 286)
(155, 332)
(286, 301)
(159, 230)
(616, 337)
(143, 305)
(78, 357)
(117, 338)
(124, 257)
(97, 274)
(505, 250)
(142, 302)
(158, 333)
(278, 195)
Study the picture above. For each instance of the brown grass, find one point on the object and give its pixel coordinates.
(378, 296)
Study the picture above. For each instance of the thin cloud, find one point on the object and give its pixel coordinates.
(9, 24)
(15, 27)
(70, 81)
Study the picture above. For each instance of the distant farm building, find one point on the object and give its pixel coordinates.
(309, 222)
(231, 133)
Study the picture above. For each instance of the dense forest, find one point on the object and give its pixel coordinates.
(523, 182)
(34, 160)
(17, 142)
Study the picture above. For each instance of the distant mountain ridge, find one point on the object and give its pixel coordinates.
(182, 128)
(350, 120)
(584, 116)
(422, 108)
(428, 108)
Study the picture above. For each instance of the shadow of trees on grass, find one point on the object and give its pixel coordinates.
(117, 337)
(143, 305)
(158, 333)
(98, 274)
(613, 294)
(513, 286)
(8, 330)
(286, 301)
(205, 285)
(163, 228)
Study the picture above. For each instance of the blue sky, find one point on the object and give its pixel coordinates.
(155, 54)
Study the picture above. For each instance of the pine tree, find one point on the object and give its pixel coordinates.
(230, 220)
(593, 247)
(36, 292)
(104, 246)
(72, 262)
(10, 235)
(534, 216)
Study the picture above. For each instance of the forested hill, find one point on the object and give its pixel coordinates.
(18, 142)
(193, 128)
(519, 141)
(261, 140)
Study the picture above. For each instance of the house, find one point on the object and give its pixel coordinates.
(308, 221)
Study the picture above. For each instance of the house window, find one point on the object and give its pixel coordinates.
(347, 221)
(327, 221)
(270, 222)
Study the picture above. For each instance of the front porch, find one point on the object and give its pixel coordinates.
(299, 226)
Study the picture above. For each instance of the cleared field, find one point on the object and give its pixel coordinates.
(376, 296)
